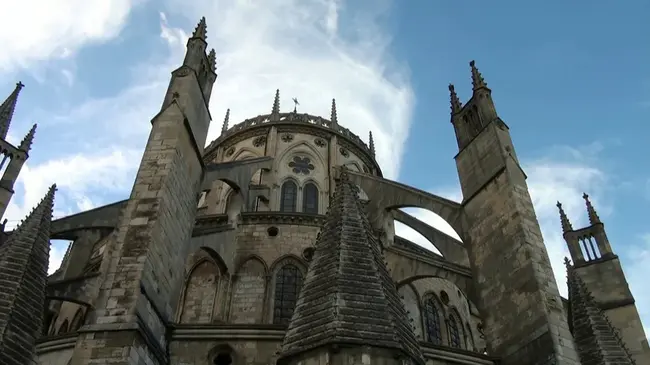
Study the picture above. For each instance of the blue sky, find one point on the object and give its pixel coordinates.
(569, 78)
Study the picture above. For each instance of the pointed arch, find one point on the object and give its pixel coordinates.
(455, 327)
(77, 320)
(52, 328)
(64, 328)
(289, 196)
(310, 198)
(354, 166)
(288, 276)
(300, 147)
(200, 292)
(249, 291)
(244, 153)
(432, 315)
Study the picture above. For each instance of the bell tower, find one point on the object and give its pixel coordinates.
(143, 267)
(524, 320)
(601, 270)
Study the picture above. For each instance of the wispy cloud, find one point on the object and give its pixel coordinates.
(35, 30)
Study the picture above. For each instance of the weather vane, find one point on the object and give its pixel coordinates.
(295, 105)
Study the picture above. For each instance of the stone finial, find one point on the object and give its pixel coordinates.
(23, 267)
(477, 79)
(226, 120)
(333, 116)
(593, 216)
(26, 143)
(456, 105)
(7, 110)
(276, 103)
(597, 341)
(201, 30)
(212, 60)
(566, 224)
(371, 144)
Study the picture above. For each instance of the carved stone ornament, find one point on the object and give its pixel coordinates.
(230, 151)
(344, 152)
(365, 169)
(259, 141)
(320, 142)
(287, 137)
(308, 253)
(183, 72)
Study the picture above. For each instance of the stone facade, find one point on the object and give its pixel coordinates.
(206, 261)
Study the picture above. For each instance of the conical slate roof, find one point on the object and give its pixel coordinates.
(597, 341)
(23, 274)
(348, 296)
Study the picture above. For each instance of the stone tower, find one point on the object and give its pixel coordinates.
(142, 273)
(349, 310)
(24, 258)
(16, 155)
(516, 289)
(600, 269)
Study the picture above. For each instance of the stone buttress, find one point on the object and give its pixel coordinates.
(24, 259)
(349, 310)
(597, 341)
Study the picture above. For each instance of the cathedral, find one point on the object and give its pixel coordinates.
(275, 244)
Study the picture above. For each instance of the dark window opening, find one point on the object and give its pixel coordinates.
(287, 286)
(310, 199)
(223, 359)
(288, 197)
(432, 322)
(454, 333)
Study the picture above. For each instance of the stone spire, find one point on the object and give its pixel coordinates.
(26, 143)
(212, 60)
(201, 30)
(597, 341)
(456, 105)
(226, 120)
(593, 216)
(23, 275)
(348, 296)
(477, 79)
(333, 116)
(7, 110)
(275, 111)
(371, 144)
(566, 224)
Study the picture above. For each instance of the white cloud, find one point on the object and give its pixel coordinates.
(38, 30)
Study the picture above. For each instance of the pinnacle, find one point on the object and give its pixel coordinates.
(564, 220)
(225, 121)
(593, 216)
(212, 60)
(276, 103)
(7, 110)
(477, 79)
(201, 30)
(456, 105)
(26, 143)
(333, 115)
(371, 143)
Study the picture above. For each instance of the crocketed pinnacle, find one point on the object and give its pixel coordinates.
(477, 79)
(226, 120)
(26, 143)
(23, 274)
(201, 30)
(456, 105)
(276, 103)
(593, 216)
(371, 143)
(7, 110)
(212, 60)
(348, 295)
(333, 116)
(566, 224)
(597, 341)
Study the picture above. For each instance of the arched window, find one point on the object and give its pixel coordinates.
(310, 199)
(454, 332)
(64, 327)
(287, 285)
(288, 196)
(432, 321)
